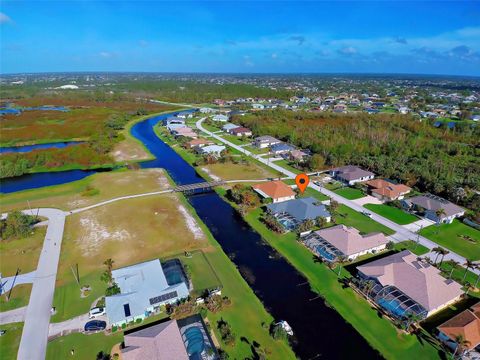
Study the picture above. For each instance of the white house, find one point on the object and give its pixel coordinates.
(220, 118)
(258, 106)
(214, 150)
(263, 142)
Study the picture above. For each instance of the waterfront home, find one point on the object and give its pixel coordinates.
(241, 131)
(281, 148)
(215, 150)
(144, 288)
(220, 118)
(387, 191)
(465, 325)
(206, 110)
(434, 208)
(198, 142)
(277, 190)
(173, 120)
(404, 285)
(266, 141)
(344, 241)
(229, 126)
(185, 339)
(185, 131)
(292, 213)
(351, 174)
(185, 115)
(172, 127)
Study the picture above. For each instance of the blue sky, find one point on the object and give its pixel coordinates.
(265, 36)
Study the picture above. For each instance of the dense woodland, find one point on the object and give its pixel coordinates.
(441, 161)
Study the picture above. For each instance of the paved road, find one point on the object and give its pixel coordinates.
(33, 344)
(401, 233)
(7, 282)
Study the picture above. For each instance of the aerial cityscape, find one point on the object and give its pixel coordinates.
(239, 180)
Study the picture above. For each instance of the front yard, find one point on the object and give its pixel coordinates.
(359, 221)
(350, 193)
(458, 237)
(392, 213)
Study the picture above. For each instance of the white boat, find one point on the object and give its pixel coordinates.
(285, 326)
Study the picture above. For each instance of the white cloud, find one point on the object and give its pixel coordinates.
(5, 19)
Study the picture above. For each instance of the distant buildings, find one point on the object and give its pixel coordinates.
(434, 207)
(342, 241)
(351, 174)
(277, 190)
(403, 286)
(263, 142)
(220, 118)
(144, 288)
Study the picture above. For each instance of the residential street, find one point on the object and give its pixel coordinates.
(401, 233)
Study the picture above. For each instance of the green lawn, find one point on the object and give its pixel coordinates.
(314, 193)
(417, 249)
(10, 342)
(235, 139)
(359, 221)
(85, 346)
(391, 343)
(449, 236)
(19, 296)
(286, 164)
(350, 193)
(459, 275)
(392, 213)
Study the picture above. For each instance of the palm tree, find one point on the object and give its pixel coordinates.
(438, 250)
(468, 265)
(340, 260)
(462, 344)
(443, 253)
(440, 212)
(454, 265)
(477, 266)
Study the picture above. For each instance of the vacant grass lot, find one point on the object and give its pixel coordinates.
(21, 253)
(10, 342)
(359, 221)
(231, 171)
(450, 236)
(350, 193)
(392, 213)
(314, 193)
(286, 165)
(392, 344)
(88, 191)
(19, 297)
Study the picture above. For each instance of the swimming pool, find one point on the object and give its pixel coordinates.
(392, 306)
(321, 251)
(194, 341)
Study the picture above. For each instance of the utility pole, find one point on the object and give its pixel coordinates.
(13, 284)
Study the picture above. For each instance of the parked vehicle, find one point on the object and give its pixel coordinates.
(96, 312)
(367, 214)
(95, 325)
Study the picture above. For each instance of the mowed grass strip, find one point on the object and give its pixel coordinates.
(452, 236)
(359, 221)
(10, 341)
(350, 193)
(19, 296)
(392, 213)
(392, 343)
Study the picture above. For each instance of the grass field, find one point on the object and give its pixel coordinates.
(235, 139)
(411, 245)
(21, 253)
(20, 296)
(10, 342)
(286, 165)
(350, 193)
(90, 190)
(392, 344)
(314, 193)
(449, 236)
(359, 221)
(392, 213)
(231, 171)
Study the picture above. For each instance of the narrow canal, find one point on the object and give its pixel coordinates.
(320, 332)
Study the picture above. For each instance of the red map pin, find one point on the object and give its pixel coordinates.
(302, 181)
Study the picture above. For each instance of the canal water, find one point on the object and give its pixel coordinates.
(28, 148)
(320, 332)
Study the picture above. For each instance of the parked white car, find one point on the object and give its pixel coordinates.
(96, 312)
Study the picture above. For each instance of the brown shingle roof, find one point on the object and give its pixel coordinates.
(240, 130)
(275, 189)
(465, 324)
(417, 279)
(385, 188)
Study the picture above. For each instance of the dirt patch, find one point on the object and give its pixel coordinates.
(209, 173)
(191, 222)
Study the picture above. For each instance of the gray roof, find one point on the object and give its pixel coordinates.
(267, 139)
(434, 203)
(140, 287)
(229, 126)
(300, 209)
(351, 172)
(282, 147)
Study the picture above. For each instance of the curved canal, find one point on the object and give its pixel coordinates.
(320, 332)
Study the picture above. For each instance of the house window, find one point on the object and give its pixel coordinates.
(126, 309)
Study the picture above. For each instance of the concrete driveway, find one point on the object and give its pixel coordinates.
(13, 316)
(417, 225)
(368, 199)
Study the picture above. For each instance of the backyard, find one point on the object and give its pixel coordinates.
(457, 236)
(392, 213)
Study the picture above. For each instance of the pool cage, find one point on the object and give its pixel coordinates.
(287, 220)
(321, 247)
(393, 301)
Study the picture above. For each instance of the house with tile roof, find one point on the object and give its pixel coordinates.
(344, 241)
(198, 142)
(434, 207)
(351, 174)
(277, 190)
(241, 131)
(387, 191)
(402, 285)
(467, 325)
